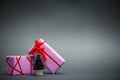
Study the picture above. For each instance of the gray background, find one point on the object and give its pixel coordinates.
(85, 33)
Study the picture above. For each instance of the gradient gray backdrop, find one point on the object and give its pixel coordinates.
(85, 33)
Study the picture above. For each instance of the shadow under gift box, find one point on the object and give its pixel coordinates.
(19, 64)
(53, 60)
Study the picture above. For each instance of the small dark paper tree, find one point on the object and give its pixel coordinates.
(38, 63)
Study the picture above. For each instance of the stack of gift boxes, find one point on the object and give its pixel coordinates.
(24, 64)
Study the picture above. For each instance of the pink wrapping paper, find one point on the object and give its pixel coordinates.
(19, 64)
(54, 61)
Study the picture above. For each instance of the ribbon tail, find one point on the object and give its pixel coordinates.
(44, 57)
(32, 51)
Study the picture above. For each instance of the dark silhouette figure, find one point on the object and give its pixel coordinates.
(38, 63)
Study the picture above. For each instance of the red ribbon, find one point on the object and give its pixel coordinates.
(39, 49)
(18, 63)
(31, 63)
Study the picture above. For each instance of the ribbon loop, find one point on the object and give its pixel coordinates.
(38, 48)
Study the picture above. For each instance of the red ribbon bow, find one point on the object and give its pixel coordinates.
(38, 48)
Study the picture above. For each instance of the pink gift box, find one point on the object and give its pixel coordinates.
(19, 64)
(53, 60)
